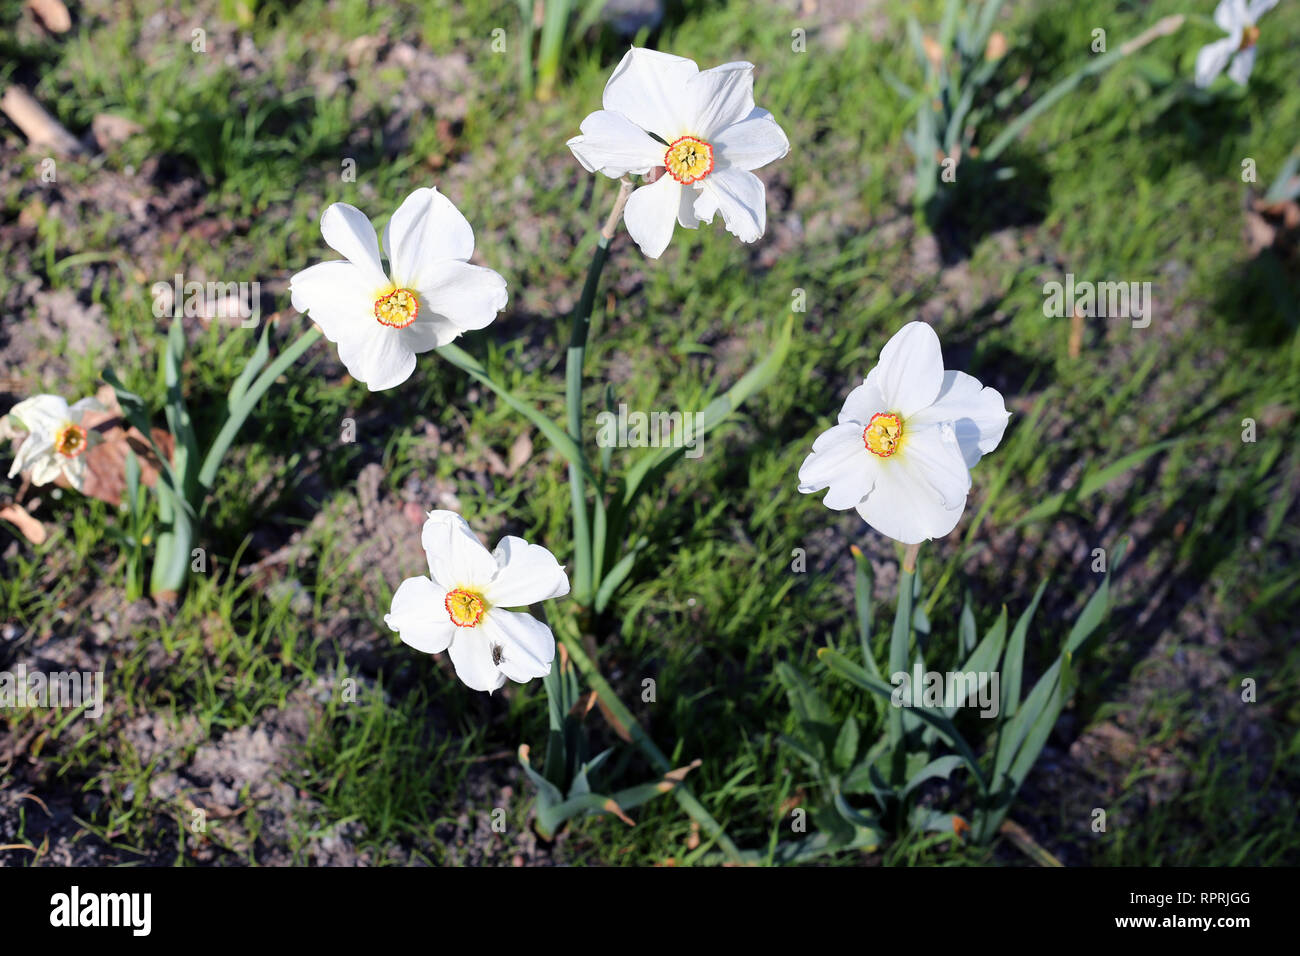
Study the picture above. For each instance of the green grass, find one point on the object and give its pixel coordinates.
(1135, 178)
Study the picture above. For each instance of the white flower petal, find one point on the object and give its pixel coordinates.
(612, 144)
(1242, 64)
(977, 413)
(910, 372)
(686, 217)
(905, 517)
(427, 227)
(419, 615)
(1258, 8)
(339, 297)
(740, 196)
(863, 402)
(1231, 15)
(720, 97)
(348, 232)
(471, 655)
(949, 421)
(651, 213)
(527, 645)
(933, 458)
(751, 143)
(527, 573)
(429, 333)
(89, 404)
(456, 556)
(649, 88)
(36, 447)
(45, 468)
(74, 469)
(42, 413)
(840, 462)
(466, 296)
(380, 358)
(1212, 59)
(904, 508)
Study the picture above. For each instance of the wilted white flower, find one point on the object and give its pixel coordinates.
(906, 440)
(1237, 18)
(430, 295)
(699, 132)
(56, 439)
(461, 607)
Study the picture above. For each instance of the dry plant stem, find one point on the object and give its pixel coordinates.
(1027, 845)
(909, 557)
(53, 15)
(40, 128)
(1076, 334)
(625, 187)
(1161, 28)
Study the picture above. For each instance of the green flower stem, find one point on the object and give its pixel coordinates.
(585, 583)
(585, 573)
(685, 798)
(900, 641)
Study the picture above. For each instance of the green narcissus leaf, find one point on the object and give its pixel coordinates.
(548, 794)
(859, 819)
(807, 756)
(1013, 662)
(966, 629)
(846, 744)
(863, 603)
(940, 768)
(935, 717)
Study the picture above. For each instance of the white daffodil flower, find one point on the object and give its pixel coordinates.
(1237, 18)
(461, 607)
(56, 439)
(906, 440)
(430, 295)
(698, 132)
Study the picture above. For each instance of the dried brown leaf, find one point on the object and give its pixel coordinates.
(53, 15)
(30, 527)
(106, 458)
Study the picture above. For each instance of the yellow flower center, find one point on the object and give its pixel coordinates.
(1249, 37)
(883, 434)
(465, 607)
(397, 309)
(70, 440)
(689, 159)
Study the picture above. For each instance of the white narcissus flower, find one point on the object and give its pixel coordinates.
(906, 440)
(1237, 18)
(702, 134)
(56, 439)
(430, 295)
(461, 607)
